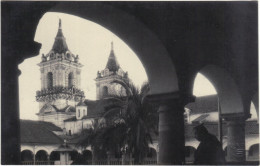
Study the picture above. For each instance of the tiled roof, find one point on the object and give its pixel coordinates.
(47, 109)
(81, 103)
(204, 104)
(95, 109)
(252, 127)
(39, 132)
(204, 117)
(71, 119)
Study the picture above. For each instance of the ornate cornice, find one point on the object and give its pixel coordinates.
(170, 98)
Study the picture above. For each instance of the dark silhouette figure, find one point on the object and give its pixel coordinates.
(209, 151)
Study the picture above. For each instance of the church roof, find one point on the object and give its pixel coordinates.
(60, 45)
(95, 110)
(39, 132)
(81, 103)
(112, 63)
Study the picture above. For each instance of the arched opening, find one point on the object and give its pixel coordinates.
(228, 104)
(230, 98)
(26, 155)
(70, 80)
(134, 37)
(189, 154)
(54, 156)
(81, 11)
(73, 155)
(253, 112)
(105, 91)
(151, 153)
(225, 151)
(41, 155)
(205, 107)
(83, 159)
(253, 153)
(87, 155)
(167, 64)
(255, 101)
(49, 80)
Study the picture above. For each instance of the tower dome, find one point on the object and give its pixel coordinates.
(60, 45)
(112, 64)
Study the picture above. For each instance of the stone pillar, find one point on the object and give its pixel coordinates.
(171, 128)
(64, 158)
(109, 157)
(236, 140)
(10, 112)
(171, 134)
(48, 159)
(157, 154)
(124, 158)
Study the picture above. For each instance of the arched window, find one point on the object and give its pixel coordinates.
(70, 80)
(105, 91)
(49, 80)
(78, 112)
(254, 150)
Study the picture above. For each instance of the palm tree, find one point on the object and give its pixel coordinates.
(139, 118)
(130, 121)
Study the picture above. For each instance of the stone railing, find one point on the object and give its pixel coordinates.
(125, 162)
(59, 93)
(37, 163)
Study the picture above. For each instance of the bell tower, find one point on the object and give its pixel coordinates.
(111, 73)
(60, 82)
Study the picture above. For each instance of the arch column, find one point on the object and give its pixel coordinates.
(171, 127)
(10, 109)
(236, 139)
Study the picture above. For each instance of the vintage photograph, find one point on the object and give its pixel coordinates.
(129, 83)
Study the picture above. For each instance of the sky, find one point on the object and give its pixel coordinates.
(92, 43)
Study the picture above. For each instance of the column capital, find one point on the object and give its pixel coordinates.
(171, 98)
(238, 117)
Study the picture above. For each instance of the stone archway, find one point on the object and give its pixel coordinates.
(152, 153)
(22, 46)
(55, 156)
(73, 155)
(155, 58)
(87, 154)
(229, 95)
(41, 155)
(26, 155)
(253, 153)
(234, 109)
